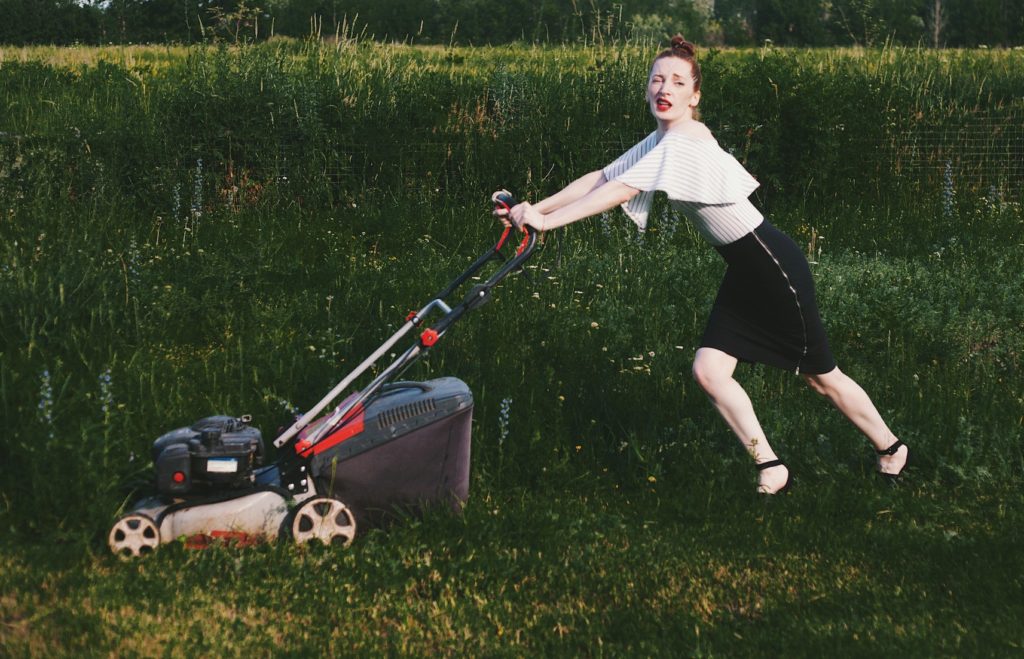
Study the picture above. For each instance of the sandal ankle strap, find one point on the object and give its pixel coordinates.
(892, 449)
(770, 464)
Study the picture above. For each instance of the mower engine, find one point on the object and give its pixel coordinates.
(214, 453)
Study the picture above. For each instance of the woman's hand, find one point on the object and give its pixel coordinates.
(525, 214)
(519, 215)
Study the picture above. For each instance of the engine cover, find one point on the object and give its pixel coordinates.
(216, 452)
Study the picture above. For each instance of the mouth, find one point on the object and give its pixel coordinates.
(662, 105)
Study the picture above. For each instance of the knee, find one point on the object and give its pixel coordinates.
(713, 370)
(706, 375)
(826, 384)
(817, 384)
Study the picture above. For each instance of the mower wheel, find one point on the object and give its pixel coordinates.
(134, 535)
(325, 519)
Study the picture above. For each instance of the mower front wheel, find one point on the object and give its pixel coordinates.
(133, 536)
(325, 519)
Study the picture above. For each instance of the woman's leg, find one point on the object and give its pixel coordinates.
(713, 371)
(850, 399)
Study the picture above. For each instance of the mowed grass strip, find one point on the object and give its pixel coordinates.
(609, 571)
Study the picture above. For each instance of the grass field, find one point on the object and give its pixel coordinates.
(189, 232)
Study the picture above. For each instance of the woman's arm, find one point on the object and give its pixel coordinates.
(571, 192)
(608, 195)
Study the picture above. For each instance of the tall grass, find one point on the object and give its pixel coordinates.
(186, 232)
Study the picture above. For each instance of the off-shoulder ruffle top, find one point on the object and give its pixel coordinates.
(702, 181)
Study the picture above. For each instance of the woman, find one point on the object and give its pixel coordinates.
(765, 310)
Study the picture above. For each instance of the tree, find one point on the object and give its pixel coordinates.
(872, 22)
(236, 24)
(153, 21)
(792, 22)
(935, 22)
(738, 19)
(694, 20)
(983, 22)
(58, 22)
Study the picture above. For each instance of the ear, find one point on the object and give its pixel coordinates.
(695, 99)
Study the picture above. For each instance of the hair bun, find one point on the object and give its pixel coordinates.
(681, 45)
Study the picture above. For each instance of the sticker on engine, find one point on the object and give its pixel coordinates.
(222, 465)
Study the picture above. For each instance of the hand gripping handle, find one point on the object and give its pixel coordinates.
(504, 199)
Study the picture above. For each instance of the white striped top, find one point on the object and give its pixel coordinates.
(702, 181)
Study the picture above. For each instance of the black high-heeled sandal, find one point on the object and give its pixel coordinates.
(892, 451)
(769, 465)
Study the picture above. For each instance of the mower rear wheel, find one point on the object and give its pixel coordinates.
(133, 536)
(325, 519)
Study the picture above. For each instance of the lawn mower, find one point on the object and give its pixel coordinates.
(392, 446)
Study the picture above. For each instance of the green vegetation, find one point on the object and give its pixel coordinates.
(196, 231)
(935, 23)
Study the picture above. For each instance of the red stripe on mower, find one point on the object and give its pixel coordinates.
(351, 425)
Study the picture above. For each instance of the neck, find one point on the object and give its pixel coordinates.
(669, 126)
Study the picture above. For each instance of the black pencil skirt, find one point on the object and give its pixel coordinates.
(766, 311)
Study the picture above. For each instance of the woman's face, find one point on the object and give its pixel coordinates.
(670, 92)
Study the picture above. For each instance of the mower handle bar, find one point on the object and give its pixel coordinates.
(502, 198)
(476, 297)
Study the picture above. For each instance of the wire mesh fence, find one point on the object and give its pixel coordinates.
(981, 153)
